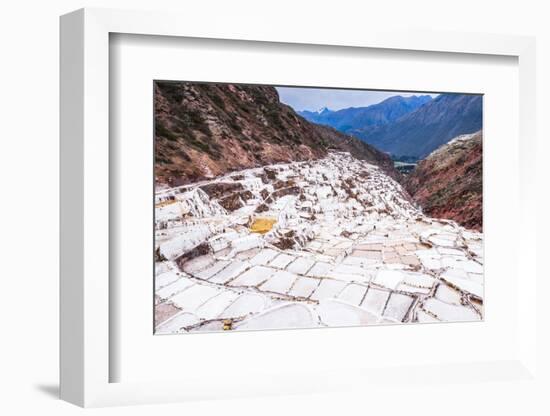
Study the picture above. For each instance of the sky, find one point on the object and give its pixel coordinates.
(313, 99)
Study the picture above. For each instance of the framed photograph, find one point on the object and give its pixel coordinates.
(274, 211)
(288, 221)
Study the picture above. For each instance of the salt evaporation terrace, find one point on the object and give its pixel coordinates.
(333, 242)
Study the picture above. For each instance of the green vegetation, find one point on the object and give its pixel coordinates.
(234, 124)
(405, 159)
(213, 93)
(272, 114)
(161, 130)
(171, 90)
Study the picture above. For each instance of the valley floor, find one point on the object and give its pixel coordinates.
(332, 242)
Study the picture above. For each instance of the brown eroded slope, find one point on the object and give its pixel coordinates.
(205, 130)
(448, 183)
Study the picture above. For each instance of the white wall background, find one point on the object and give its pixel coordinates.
(29, 179)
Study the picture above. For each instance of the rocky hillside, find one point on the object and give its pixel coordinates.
(360, 119)
(448, 183)
(205, 130)
(420, 132)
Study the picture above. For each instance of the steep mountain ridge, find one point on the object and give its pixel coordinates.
(206, 130)
(358, 119)
(420, 132)
(449, 182)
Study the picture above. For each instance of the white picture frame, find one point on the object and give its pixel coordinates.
(85, 164)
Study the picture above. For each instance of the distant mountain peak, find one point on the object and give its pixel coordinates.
(395, 98)
(355, 119)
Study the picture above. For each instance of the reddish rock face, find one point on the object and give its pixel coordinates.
(206, 130)
(449, 182)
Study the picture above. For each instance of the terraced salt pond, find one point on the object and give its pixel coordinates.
(332, 242)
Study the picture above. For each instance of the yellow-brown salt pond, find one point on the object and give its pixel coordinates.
(262, 225)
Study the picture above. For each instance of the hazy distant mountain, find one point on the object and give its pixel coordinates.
(359, 119)
(323, 111)
(420, 132)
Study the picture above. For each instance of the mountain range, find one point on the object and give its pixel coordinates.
(420, 132)
(206, 130)
(407, 126)
(355, 120)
